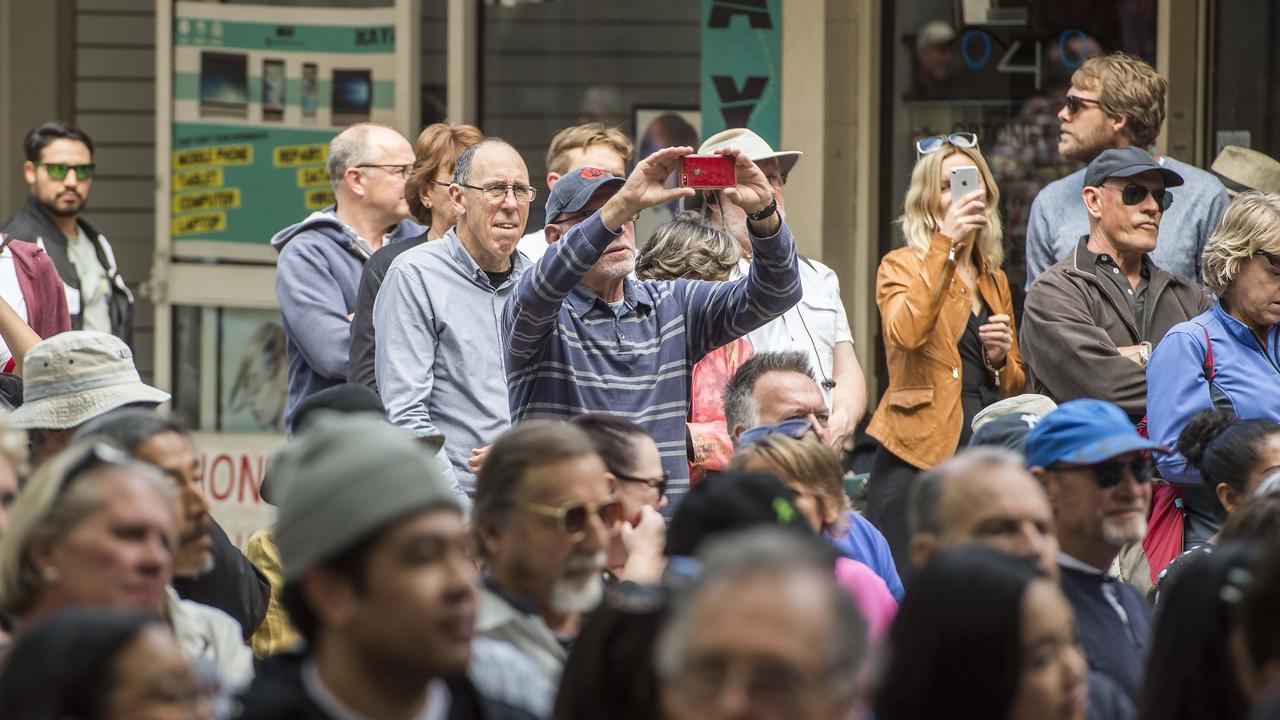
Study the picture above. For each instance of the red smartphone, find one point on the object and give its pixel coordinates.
(707, 172)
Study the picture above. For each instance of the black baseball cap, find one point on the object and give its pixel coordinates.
(1126, 162)
(733, 500)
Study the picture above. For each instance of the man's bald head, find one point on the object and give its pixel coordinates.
(984, 496)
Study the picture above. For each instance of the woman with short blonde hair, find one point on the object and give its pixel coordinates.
(1228, 357)
(947, 318)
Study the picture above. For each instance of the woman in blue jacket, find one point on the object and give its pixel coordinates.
(1229, 356)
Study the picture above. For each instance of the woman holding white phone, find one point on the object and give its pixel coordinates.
(947, 319)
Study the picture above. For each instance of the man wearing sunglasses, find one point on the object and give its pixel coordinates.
(1091, 321)
(322, 257)
(1096, 470)
(59, 170)
(1117, 101)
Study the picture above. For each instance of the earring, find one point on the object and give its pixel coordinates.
(50, 574)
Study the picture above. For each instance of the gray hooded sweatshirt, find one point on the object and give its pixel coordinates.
(317, 275)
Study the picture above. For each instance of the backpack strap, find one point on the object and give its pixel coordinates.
(1207, 366)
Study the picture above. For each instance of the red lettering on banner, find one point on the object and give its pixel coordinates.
(221, 496)
(247, 477)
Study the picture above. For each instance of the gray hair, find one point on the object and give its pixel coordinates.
(924, 509)
(348, 149)
(783, 557)
(1250, 223)
(131, 427)
(61, 494)
(462, 169)
(688, 247)
(739, 395)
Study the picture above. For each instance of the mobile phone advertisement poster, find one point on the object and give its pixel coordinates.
(258, 93)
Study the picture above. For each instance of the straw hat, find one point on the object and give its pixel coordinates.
(1241, 169)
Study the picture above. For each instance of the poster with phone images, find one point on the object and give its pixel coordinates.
(258, 93)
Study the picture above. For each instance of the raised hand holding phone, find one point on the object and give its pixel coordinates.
(967, 212)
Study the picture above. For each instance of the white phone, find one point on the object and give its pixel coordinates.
(964, 182)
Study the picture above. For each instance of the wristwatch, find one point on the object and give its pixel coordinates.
(765, 213)
(1144, 352)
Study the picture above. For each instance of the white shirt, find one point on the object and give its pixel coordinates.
(814, 326)
(209, 634)
(11, 291)
(533, 245)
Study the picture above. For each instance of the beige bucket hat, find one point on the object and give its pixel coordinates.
(1241, 169)
(751, 145)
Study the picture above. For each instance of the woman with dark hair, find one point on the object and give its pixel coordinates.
(982, 635)
(640, 484)
(1193, 671)
(1232, 455)
(102, 665)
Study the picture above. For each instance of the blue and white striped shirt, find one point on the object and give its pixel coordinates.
(568, 352)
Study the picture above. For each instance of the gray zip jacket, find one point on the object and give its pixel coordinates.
(439, 352)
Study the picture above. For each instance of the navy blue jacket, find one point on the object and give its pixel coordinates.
(1111, 648)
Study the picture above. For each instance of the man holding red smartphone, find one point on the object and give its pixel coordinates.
(581, 335)
(817, 325)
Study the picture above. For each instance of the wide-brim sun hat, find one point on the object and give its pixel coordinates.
(750, 144)
(1242, 169)
(76, 376)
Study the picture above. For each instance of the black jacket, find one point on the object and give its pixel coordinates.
(360, 366)
(234, 585)
(277, 693)
(31, 224)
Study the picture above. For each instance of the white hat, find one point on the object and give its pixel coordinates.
(751, 145)
(1027, 404)
(76, 376)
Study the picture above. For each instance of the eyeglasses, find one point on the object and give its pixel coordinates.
(934, 143)
(96, 454)
(397, 170)
(778, 179)
(1074, 103)
(498, 191)
(1272, 258)
(1111, 473)
(773, 687)
(1133, 194)
(658, 483)
(573, 518)
(58, 171)
(796, 429)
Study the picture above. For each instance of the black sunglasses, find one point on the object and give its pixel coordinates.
(1272, 258)
(1133, 194)
(1110, 473)
(1075, 102)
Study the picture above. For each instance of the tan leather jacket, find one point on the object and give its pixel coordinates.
(923, 313)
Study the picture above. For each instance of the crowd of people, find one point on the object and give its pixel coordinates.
(576, 474)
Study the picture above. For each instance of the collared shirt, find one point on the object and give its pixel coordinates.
(568, 353)
(814, 326)
(438, 356)
(1108, 586)
(1104, 266)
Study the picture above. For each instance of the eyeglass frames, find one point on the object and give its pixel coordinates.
(58, 171)
(795, 429)
(1110, 473)
(573, 518)
(934, 143)
(498, 191)
(1074, 103)
(399, 170)
(658, 483)
(1134, 194)
(1272, 258)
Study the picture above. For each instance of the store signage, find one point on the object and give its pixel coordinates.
(232, 466)
(742, 66)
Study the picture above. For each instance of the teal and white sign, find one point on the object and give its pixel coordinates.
(258, 93)
(742, 67)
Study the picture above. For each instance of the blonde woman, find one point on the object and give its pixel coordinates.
(947, 318)
(1227, 357)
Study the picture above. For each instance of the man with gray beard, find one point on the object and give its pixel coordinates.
(1095, 469)
(542, 520)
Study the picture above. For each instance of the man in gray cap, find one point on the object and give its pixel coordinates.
(1091, 321)
(378, 581)
(580, 335)
(70, 379)
(439, 353)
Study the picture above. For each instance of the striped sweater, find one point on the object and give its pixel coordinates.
(568, 352)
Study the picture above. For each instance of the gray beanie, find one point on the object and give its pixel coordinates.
(343, 478)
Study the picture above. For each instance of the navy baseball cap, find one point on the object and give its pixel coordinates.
(1126, 162)
(1084, 432)
(1006, 431)
(574, 190)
